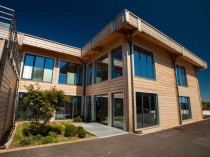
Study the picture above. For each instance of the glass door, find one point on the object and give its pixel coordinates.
(117, 110)
(101, 109)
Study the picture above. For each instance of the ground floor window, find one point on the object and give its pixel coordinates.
(22, 112)
(117, 110)
(101, 109)
(185, 107)
(146, 110)
(69, 110)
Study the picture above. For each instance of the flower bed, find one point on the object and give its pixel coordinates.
(31, 134)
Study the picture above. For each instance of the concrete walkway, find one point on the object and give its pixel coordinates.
(101, 130)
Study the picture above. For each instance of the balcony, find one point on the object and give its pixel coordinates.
(9, 34)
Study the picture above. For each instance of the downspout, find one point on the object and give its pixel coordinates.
(177, 89)
(132, 85)
(84, 87)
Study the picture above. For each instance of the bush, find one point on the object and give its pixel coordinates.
(18, 135)
(48, 139)
(26, 132)
(52, 134)
(70, 130)
(38, 128)
(35, 128)
(81, 132)
(56, 128)
(24, 141)
(77, 119)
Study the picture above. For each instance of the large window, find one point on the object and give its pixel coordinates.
(117, 62)
(185, 107)
(181, 75)
(70, 73)
(38, 68)
(89, 74)
(146, 110)
(101, 69)
(143, 63)
(69, 110)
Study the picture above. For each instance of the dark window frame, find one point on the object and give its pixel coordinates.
(113, 51)
(147, 53)
(156, 106)
(79, 79)
(32, 74)
(95, 69)
(184, 77)
(88, 74)
(189, 108)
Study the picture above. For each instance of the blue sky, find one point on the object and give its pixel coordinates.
(76, 22)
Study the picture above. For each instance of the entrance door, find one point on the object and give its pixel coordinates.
(101, 109)
(117, 110)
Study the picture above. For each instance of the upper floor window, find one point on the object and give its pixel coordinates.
(38, 68)
(181, 75)
(70, 73)
(117, 62)
(143, 63)
(89, 73)
(101, 69)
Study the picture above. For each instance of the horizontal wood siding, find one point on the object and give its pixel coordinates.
(49, 45)
(8, 79)
(106, 86)
(68, 89)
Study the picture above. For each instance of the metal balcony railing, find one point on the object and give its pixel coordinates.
(8, 32)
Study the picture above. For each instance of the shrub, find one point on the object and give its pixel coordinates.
(56, 128)
(35, 128)
(70, 130)
(25, 132)
(44, 130)
(52, 134)
(81, 132)
(18, 136)
(24, 141)
(77, 119)
(48, 139)
(38, 128)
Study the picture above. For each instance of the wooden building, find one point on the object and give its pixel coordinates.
(130, 76)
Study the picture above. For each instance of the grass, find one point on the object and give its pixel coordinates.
(20, 139)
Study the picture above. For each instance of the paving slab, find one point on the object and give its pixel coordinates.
(101, 130)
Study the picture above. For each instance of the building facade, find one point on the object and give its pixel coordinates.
(9, 69)
(130, 76)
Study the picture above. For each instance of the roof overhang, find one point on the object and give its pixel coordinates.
(127, 21)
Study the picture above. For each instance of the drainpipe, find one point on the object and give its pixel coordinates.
(132, 85)
(177, 89)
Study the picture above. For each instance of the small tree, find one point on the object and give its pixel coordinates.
(43, 103)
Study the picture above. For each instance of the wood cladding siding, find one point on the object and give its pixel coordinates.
(25, 39)
(68, 89)
(8, 83)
